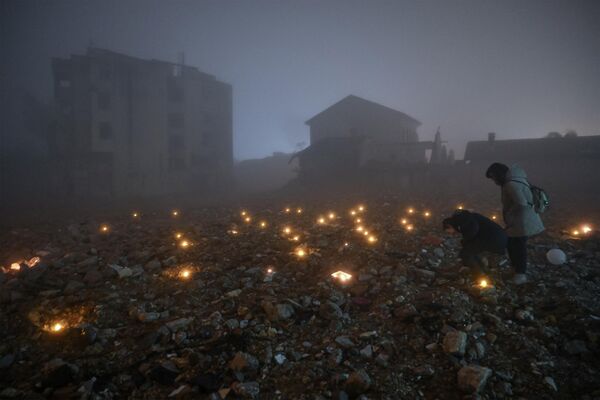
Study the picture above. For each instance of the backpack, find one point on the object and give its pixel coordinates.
(541, 200)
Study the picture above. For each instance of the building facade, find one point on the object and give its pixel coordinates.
(132, 127)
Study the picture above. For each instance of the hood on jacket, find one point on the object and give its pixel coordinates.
(516, 173)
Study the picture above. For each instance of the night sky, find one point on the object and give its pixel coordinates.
(520, 68)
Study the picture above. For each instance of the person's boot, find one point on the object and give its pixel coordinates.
(519, 279)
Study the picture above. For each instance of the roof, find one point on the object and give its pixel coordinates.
(363, 104)
(526, 149)
(328, 146)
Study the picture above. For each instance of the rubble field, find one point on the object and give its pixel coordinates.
(230, 303)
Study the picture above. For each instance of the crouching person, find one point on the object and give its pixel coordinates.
(480, 235)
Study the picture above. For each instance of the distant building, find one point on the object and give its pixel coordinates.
(133, 127)
(357, 133)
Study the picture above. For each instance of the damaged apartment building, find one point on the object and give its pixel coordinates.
(358, 139)
(129, 127)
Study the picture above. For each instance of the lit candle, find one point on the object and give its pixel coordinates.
(352, 212)
(427, 214)
(404, 221)
(287, 230)
(233, 231)
(287, 210)
(358, 220)
(359, 228)
(104, 228)
(300, 252)
(460, 207)
(575, 232)
(185, 273)
(411, 210)
(135, 214)
(247, 220)
(263, 224)
(178, 235)
(175, 213)
(299, 211)
(361, 208)
(483, 283)
(372, 239)
(586, 229)
(243, 213)
(270, 271)
(56, 327)
(331, 215)
(494, 217)
(321, 221)
(296, 238)
(409, 227)
(346, 244)
(184, 244)
(341, 276)
(15, 266)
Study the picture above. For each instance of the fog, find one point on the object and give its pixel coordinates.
(465, 68)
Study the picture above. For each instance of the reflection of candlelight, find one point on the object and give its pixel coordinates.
(341, 276)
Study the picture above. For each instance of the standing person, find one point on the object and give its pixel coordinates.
(480, 235)
(520, 217)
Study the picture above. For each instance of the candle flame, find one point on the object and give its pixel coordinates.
(270, 270)
(494, 217)
(15, 266)
(104, 228)
(404, 221)
(427, 214)
(175, 213)
(299, 211)
(243, 213)
(483, 283)
(287, 210)
(135, 214)
(185, 274)
(184, 244)
(247, 219)
(575, 232)
(321, 220)
(352, 212)
(359, 228)
(460, 207)
(372, 239)
(57, 327)
(287, 230)
(263, 224)
(411, 210)
(586, 229)
(178, 235)
(361, 208)
(341, 276)
(331, 215)
(410, 227)
(296, 238)
(300, 252)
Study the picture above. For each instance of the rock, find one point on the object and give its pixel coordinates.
(247, 390)
(405, 312)
(439, 252)
(181, 391)
(234, 293)
(148, 316)
(330, 310)
(575, 347)
(73, 287)
(367, 351)
(243, 362)
(92, 277)
(524, 315)
(344, 342)
(551, 383)
(280, 358)
(178, 324)
(122, 272)
(164, 373)
(7, 361)
(153, 265)
(472, 378)
(455, 343)
(284, 311)
(232, 323)
(358, 383)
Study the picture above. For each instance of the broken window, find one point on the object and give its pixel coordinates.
(103, 101)
(105, 131)
(175, 120)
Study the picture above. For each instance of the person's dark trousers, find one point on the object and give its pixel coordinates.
(473, 258)
(517, 252)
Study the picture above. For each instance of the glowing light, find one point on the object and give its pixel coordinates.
(360, 228)
(372, 239)
(247, 219)
(331, 215)
(57, 327)
(296, 238)
(299, 211)
(288, 210)
(460, 207)
(263, 224)
(358, 220)
(410, 227)
(104, 228)
(586, 229)
(184, 244)
(135, 214)
(185, 273)
(321, 220)
(270, 270)
(411, 210)
(366, 233)
(287, 230)
(233, 232)
(33, 262)
(178, 235)
(175, 213)
(575, 232)
(341, 276)
(244, 212)
(352, 212)
(483, 283)
(361, 208)
(15, 266)
(300, 252)
(346, 244)
(494, 217)
(427, 214)
(404, 221)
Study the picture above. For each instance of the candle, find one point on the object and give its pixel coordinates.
(287, 230)
(358, 220)
(263, 224)
(185, 273)
(247, 220)
(361, 208)
(483, 283)
(494, 217)
(352, 212)
(178, 235)
(331, 215)
(341, 276)
(404, 221)
(243, 213)
(104, 228)
(411, 210)
(175, 213)
(321, 221)
(410, 227)
(427, 214)
(288, 210)
(372, 239)
(586, 229)
(299, 211)
(184, 244)
(460, 207)
(135, 214)
(300, 252)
